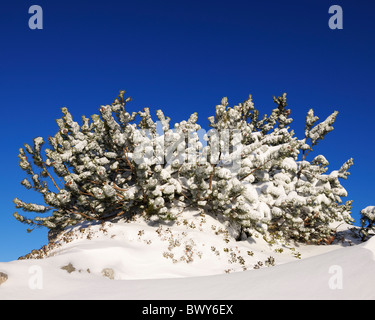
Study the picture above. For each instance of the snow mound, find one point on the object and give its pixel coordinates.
(196, 257)
(193, 245)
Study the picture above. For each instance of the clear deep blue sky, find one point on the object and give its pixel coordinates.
(182, 57)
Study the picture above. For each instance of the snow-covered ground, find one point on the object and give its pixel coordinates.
(195, 258)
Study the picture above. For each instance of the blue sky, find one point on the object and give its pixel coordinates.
(182, 57)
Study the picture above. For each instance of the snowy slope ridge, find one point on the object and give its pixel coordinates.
(195, 258)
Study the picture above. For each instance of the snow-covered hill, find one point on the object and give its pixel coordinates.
(194, 258)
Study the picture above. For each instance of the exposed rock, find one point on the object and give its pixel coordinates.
(109, 273)
(3, 277)
(69, 268)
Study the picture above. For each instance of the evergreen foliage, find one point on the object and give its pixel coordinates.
(253, 171)
(367, 222)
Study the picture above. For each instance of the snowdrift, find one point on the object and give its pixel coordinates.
(196, 257)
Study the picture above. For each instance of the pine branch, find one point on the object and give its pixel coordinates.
(53, 181)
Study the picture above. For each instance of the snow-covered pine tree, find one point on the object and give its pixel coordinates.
(254, 148)
(245, 169)
(114, 167)
(273, 189)
(308, 200)
(367, 222)
(91, 169)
